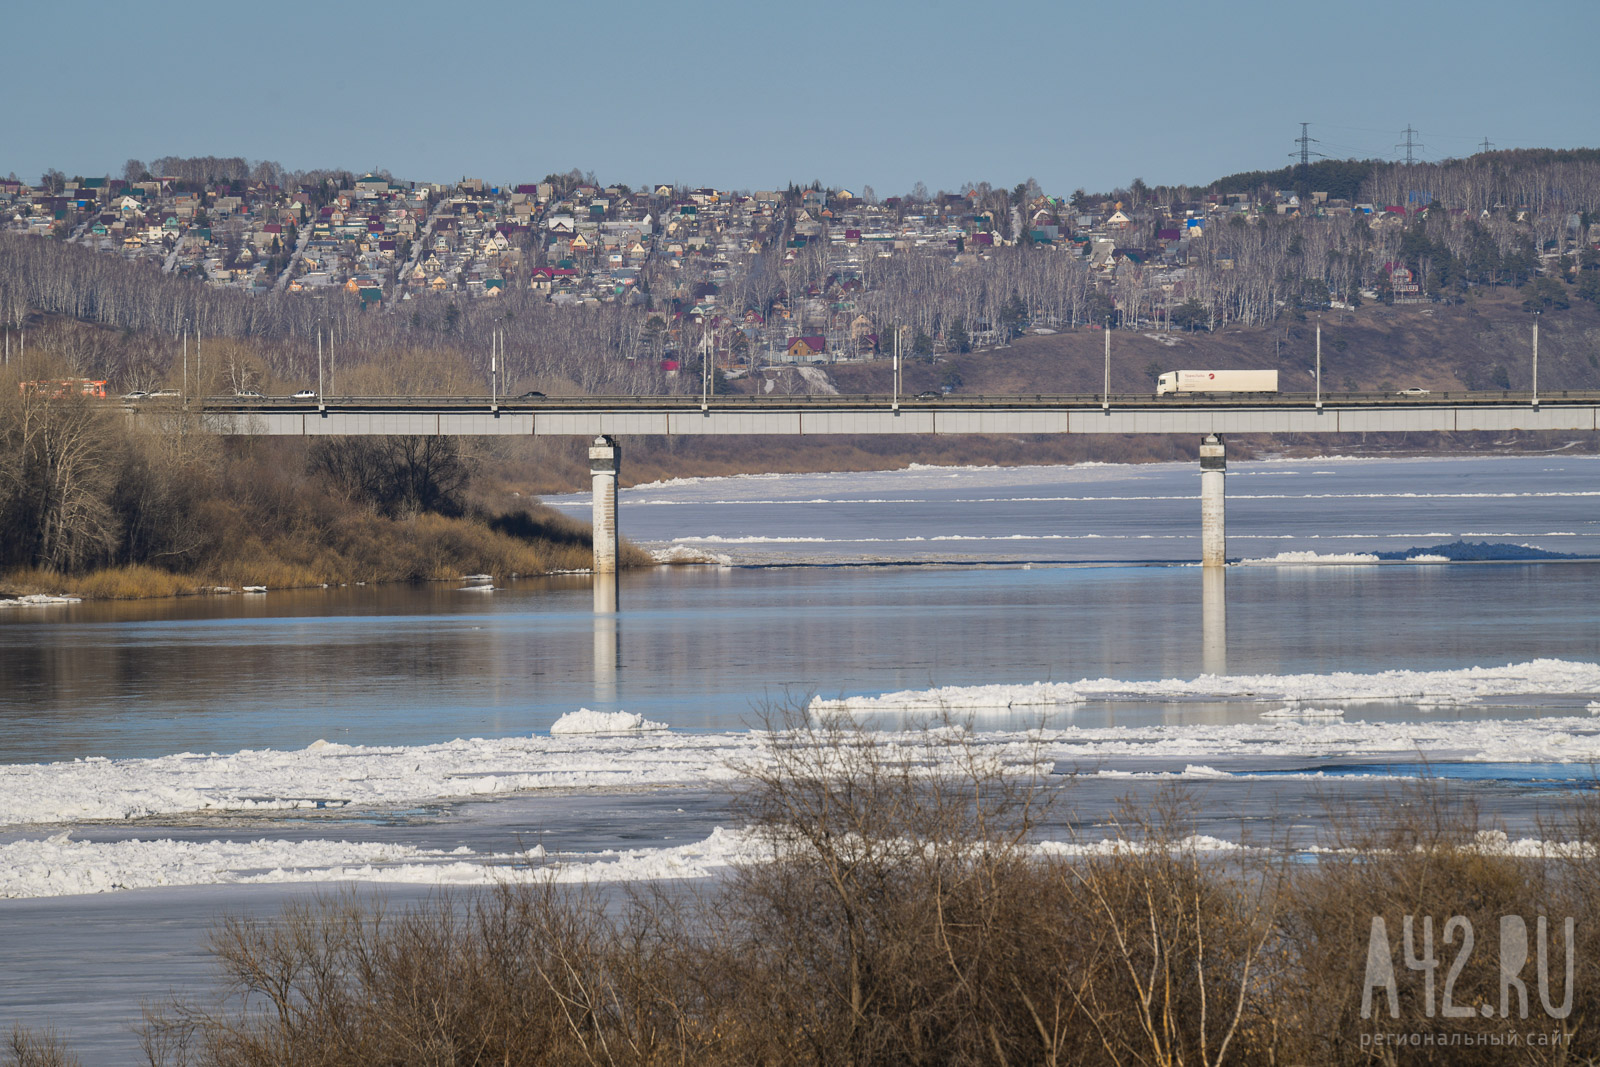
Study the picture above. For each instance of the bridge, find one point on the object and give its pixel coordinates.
(605, 418)
(597, 416)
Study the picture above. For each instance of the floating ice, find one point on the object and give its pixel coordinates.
(1425, 688)
(61, 866)
(584, 721)
(1311, 557)
(641, 754)
(685, 554)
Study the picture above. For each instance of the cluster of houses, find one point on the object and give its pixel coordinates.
(383, 242)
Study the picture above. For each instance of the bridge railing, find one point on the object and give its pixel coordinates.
(962, 401)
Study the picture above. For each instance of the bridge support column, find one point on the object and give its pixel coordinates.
(1213, 530)
(604, 459)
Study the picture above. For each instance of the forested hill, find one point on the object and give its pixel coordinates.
(1346, 179)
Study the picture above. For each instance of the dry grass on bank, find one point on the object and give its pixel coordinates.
(357, 547)
(908, 920)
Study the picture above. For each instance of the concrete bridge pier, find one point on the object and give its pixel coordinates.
(604, 459)
(607, 639)
(1213, 530)
(1214, 620)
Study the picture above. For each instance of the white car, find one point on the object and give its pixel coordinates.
(1413, 391)
(303, 394)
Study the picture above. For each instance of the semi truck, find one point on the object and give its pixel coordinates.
(1217, 381)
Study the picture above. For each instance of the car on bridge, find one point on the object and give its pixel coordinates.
(247, 394)
(531, 394)
(303, 394)
(1412, 391)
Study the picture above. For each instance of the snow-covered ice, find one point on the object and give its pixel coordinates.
(61, 866)
(1311, 557)
(331, 775)
(635, 753)
(584, 721)
(1432, 688)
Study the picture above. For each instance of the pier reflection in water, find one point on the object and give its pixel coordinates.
(607, 646)
(1214, 620)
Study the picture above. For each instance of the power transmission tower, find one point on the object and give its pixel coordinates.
(1486, 145)
(1411, 144)
(1305, 141)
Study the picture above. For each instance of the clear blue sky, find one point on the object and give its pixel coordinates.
(755, 95)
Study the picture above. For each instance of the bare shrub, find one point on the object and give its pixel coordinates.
(907, 914)
(29, 1048)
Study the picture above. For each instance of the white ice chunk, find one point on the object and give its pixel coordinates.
(584, 721)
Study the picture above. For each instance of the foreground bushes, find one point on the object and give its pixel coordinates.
(909, 917)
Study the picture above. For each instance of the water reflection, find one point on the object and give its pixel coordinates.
(1214, 620)
(607, 646)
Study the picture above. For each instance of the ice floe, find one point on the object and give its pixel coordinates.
(584, 721)
(624, 750)
(61, 866)
(1431, 688)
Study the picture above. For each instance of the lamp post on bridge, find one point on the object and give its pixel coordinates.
(1105, 395)
(1536, 359)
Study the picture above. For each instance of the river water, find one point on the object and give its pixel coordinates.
(162, 762)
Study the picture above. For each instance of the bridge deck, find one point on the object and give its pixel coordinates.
(592, 416)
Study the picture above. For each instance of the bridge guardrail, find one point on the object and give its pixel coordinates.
(735, 402)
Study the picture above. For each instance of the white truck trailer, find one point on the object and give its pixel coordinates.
(1217, 381)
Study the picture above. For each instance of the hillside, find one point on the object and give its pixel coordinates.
(1374, 348)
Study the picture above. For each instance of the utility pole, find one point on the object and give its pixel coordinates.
(1535, 362)
(1319, 363)
(1105, 396)
(896, 404)
(186, 363)
(321, 396)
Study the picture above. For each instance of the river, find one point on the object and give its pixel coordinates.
(163, 762)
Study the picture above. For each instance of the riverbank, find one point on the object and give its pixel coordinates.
(362, 550)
